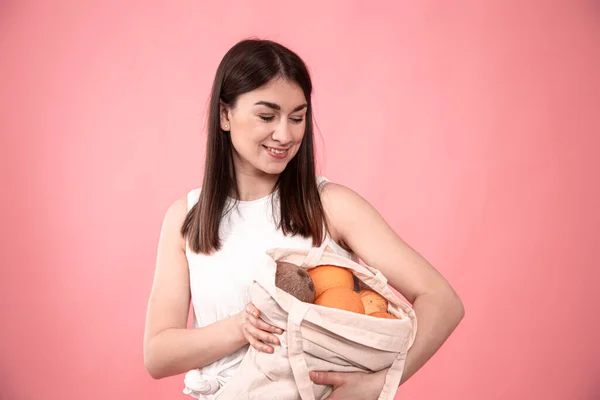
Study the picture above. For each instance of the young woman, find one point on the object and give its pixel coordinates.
(260, 191)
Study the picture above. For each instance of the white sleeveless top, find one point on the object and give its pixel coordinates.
(220, 282)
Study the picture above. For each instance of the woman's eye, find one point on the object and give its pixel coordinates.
(297, 120)
(267, 117)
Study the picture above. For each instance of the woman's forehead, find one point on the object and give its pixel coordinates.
(278, 94)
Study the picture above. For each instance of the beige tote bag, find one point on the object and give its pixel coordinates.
(321, 338)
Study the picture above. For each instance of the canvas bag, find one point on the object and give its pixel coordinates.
(320, 338)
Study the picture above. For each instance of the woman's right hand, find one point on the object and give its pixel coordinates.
(256, 331)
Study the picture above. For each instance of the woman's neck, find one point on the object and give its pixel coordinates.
(255, 187)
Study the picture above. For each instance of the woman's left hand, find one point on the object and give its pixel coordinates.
(351, 385)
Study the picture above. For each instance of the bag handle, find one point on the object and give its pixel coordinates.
(393, 378)
(315, 254)
(296, 352)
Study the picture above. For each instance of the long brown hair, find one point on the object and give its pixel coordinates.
(245, 67)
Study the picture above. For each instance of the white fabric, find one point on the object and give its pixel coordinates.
(197, 383)
(220, 283)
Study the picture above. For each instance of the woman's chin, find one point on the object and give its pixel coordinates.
(273, 171)
(273, 168)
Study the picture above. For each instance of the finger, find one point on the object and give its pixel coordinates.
(252, 310)
(262, 325)
(256, 343)
(327, 378)
(253, 314)
(262, 335)
(260, 346)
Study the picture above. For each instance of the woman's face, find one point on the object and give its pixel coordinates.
(266, 127)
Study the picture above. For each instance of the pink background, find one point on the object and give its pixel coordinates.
(472, 126)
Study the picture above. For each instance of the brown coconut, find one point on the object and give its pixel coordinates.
(296, 281)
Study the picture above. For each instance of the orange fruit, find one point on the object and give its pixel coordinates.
(342, 298)
(373, 301)
(329, 276)
(380, 314)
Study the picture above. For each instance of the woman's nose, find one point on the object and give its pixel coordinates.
(283, 133)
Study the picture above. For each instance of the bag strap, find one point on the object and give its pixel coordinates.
(315, 254)
(296, 352)
(393, 378)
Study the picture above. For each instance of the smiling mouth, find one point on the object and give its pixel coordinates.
(278, 153)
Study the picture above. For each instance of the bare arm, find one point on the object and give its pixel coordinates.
(356, 224)
(170, 348)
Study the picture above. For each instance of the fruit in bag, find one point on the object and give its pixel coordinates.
(341, 298)
(329, 276)
(380, 314)
(373, 301)
(296, 281)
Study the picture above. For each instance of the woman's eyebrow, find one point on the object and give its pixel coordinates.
(277, 106)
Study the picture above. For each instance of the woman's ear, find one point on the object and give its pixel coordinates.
(224, 117)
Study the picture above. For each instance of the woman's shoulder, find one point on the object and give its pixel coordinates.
(329, 187)
(181, 205)
(340, 200)
(173, 219)
(192, 197)
(341, 205)
(323, 181)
